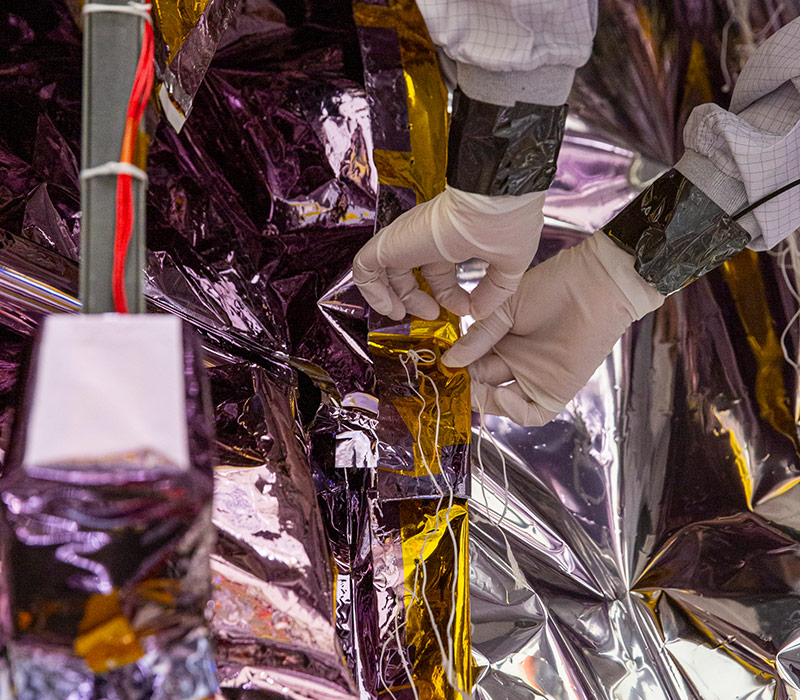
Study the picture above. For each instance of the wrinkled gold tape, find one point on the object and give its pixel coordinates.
(423, 170)
(176, 19)
(425, 537)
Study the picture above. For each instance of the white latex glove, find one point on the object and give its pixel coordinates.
(452, 227)
(554, 332)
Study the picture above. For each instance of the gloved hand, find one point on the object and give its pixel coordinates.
(554, 332)
(452, 227)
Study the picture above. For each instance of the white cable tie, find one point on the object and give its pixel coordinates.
(113, 168)
(138, 9)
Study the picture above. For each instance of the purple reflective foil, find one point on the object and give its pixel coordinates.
(120, 556)
(343, 457)
(243, 247)
(653, 61)
(273, 593)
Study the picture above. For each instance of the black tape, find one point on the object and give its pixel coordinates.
(498, 150)
(675, 233)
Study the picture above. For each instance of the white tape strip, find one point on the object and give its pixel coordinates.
(138, 9)
(114, 168)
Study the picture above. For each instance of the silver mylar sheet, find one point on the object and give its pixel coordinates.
(646, 543)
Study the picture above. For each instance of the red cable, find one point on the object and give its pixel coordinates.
(140, 93)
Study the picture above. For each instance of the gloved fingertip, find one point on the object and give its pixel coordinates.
(454, 358)
(454, 299)
(457, 304)
(519, 410)
(383, 308)
(424, 307)
(484, 305)
(513, 405)
(489, 294)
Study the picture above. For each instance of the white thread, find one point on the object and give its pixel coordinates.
(783, 264)
(138, 9)
(403, 659)
(771, 23)
(113, 168)
(448, 655)
(520, 581)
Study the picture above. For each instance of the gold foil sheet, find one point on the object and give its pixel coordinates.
(431, 400)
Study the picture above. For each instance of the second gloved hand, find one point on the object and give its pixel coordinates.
(452, 227)
(529, 358)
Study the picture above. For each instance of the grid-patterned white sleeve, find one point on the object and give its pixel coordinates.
(741, 155)
(523, 49)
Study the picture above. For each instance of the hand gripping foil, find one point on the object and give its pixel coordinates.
(675, 233)
(499, 150)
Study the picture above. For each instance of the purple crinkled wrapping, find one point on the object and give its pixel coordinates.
(652, 525)
(273, 592)
(107, 568)
(243, 248)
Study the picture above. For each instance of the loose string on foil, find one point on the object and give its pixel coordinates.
(790, 249)
(519, 578)
(403, 660)
(417, 358)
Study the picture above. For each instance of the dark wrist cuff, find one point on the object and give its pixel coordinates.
(498, 150)
(675, 233)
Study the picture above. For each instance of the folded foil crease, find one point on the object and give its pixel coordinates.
(187, 36)
(242, 247)
(401, 456)
(273, 616)
(120, 559)
(675, 233)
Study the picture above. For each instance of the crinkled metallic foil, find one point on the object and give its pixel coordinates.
(415, 542)
(243, 246)
(497, 150)
(272, 617)
(188, 33)
(675, 233)
(653, 525)
(424, 408)
(651, 530)
(424, 421)
(107, 569)
(654, 61)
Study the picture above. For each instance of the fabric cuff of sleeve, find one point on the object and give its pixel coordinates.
(725, 191)
(546, 85)
(620, 267)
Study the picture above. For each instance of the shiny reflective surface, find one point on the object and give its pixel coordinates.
(503, 150)
(106, 566)
(675, 233)
(651, 548)
(652, 528)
